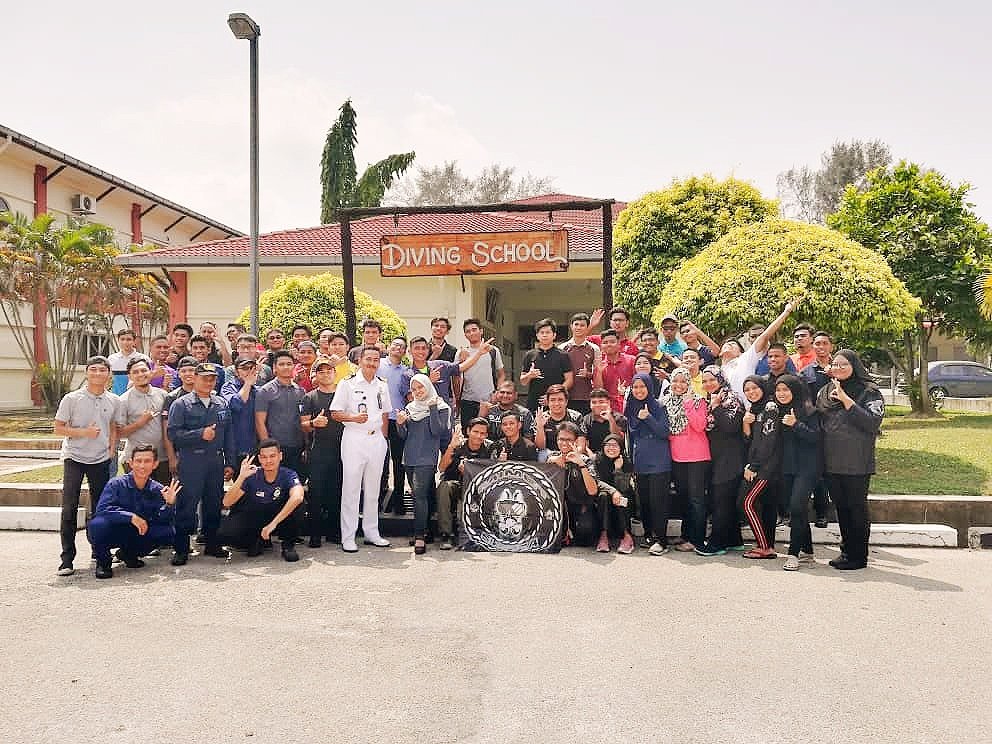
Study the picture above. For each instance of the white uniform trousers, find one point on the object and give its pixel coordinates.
(362, 456)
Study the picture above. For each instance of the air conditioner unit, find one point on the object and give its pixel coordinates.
(83, 204)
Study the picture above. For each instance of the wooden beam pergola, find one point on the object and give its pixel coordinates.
(347, 214)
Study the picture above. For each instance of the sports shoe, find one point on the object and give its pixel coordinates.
(289, 553)
(104, 571)
(791, 563)
(216, 551)
(805, 557)
(132, 561)
(603, 546)
(66, 569)
(626, 545)
(738, 548)
(658, 549)
(709, 551)
(647, 541)
(379, 542)
(447, 542)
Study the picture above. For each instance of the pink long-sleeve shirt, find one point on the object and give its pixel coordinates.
(692, 445)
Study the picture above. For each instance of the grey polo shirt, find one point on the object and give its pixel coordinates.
(79, 409)
(133, 404)
(281, 404)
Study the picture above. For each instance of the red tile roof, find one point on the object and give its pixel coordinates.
(322, 245)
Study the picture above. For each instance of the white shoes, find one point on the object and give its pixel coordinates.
(658, 549)
(791, 563)
(379, 541)
(349, 546)
(805, 557)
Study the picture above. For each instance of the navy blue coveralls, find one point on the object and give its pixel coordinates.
(201, 464)
(111, 525)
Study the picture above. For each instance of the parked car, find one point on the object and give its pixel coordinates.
(957, 379)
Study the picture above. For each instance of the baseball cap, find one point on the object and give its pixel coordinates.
(206, 368)
(321, 361)
(670, 317)
(186, 361)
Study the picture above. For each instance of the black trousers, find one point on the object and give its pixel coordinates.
(240, 528)
(324, 492)
(588, 521)
(654, 498)
(467, 410)
(395, 453)
(726, 531)
(97, 476)
(292, 458)
(850, 496)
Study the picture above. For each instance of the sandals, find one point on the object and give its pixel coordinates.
(419, 546)
(759, 554)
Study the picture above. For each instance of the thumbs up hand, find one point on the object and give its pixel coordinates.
(643, 413)
(789, 419)
(92, 431)
(209, 432)
(320, 420)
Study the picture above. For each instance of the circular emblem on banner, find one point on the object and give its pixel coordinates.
(513, 507)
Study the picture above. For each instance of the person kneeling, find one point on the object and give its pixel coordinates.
(263, 500)
(452, 468)
(135, 514)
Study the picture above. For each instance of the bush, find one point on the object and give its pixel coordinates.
(655, 234)
(746, 277)
(318, 301)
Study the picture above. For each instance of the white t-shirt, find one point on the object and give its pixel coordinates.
(739, 369)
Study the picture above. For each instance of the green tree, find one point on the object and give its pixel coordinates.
(935, 244)
(657, 233)
(839, 284)
(983, 294)
(318, 301)
(447, 184)
(340, 185)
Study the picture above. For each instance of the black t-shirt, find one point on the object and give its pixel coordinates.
(595, 429)
(462, 452)
(551, 428)
(523, 451)
(553, 363)
(447, 354)
(313, 403)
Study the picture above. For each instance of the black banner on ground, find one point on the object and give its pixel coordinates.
(515, 507)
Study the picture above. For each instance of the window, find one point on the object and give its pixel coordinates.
(93, 344)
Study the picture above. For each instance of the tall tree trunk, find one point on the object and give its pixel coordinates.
(909, 344)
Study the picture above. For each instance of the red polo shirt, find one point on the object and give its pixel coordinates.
(621, 369)
(627, 346)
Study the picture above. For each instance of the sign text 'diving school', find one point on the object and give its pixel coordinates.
(474, 253)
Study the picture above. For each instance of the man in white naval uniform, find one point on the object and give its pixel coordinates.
(361, 402)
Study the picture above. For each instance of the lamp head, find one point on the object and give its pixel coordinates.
(243, 27)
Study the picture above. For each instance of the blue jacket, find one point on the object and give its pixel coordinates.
(122, 499)
(649, 441)
(242, 414)
(423, 438)
(188, 417)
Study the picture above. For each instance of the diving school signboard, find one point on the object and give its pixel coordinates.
(474, 253)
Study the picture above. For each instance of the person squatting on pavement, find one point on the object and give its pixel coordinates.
(135, 514)
(203, 438)
(264, 500)
(361, 402)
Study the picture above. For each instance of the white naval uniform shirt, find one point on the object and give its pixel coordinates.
(355, 391)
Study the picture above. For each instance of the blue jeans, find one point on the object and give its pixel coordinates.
(422, 479)
(796, 488)
(104, 535)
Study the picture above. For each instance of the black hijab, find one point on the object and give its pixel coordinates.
(801, 404)
(758, 407)
(854, 386)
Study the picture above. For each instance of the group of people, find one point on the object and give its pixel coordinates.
(649, 425)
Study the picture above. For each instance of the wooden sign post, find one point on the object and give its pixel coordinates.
(474, 253)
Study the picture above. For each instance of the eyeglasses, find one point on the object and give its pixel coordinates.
(274, 336)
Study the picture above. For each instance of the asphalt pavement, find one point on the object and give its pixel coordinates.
(474, 647)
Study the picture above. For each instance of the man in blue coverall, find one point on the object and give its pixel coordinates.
(135, 514)
(201, 433)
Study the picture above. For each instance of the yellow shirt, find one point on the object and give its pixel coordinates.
(697, 385)
(343, 370)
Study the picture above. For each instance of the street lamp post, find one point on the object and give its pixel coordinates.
(243, 27)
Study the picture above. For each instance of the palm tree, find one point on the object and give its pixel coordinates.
(983, 294)
(339, 182)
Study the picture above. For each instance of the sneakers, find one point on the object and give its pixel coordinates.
(647, 541)
(216, 551)
(349, 546)
(66, 569)
(738, 548)
(658, 549)
(791, 563)
(447, 542)
(104, 571)
(805, 557)
(709, 551)
(289, 553)
(626, 545)
(132, 561)
(379, 541)
(603, 546)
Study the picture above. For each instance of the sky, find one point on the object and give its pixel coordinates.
(610, 100)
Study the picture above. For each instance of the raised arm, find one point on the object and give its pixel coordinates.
(761, 343)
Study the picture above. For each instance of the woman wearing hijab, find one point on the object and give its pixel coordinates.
(687, 418)
(614, 468)
(801, 467)
(851, 410)
(724, 428)
(763, 469)
(647, 424)
(423, 423)
(644, 363)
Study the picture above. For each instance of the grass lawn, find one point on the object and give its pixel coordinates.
(26, 425)
(51, 474)
(952, 455)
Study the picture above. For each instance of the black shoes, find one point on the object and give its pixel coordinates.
(289, 553)
(131, 561)
(216, 551)
(820, 522)
(104, 571)
(315, 542)
(66, 569)
(179, 559)
(848, 565)
(255, 548)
